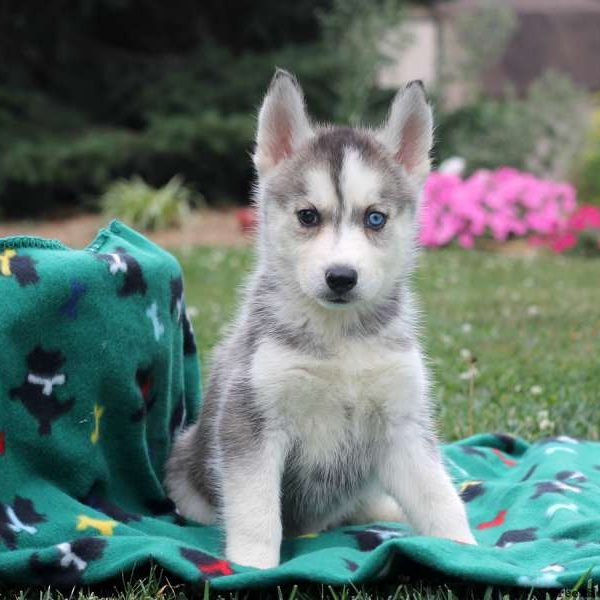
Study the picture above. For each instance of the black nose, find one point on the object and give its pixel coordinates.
(341, 279)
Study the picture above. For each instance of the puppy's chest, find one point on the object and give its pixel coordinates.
(348, 397)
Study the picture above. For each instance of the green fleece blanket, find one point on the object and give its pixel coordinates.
(99, 371)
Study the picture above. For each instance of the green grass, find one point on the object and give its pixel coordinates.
(531, 324)
(158, 587)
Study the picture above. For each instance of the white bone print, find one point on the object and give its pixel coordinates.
(70, 558)
(47, 383)
(152, 314)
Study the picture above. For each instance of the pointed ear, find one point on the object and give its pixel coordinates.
(282, 122)
(408, 132)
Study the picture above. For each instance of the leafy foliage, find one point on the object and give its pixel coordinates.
(587, 176)
(352, 33)
(483, 34)
(145, 207)
(541, 133)
(115, 87)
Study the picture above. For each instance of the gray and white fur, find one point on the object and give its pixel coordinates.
(318, 409)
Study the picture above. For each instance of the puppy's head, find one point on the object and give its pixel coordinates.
(338, 205)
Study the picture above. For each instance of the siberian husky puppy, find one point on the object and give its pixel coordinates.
(318, 410)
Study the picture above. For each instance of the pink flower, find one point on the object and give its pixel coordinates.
(503, 203)
(564, 241)
(587, 217)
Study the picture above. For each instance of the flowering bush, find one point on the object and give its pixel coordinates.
(502, 204)
(581, 233)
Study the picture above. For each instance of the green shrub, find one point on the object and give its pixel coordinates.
(145, 207)
(587, 176)
(353, 32)
(53, 169)
(25, 113)
(170, 91)
(483, 133)
(483, 33)
(542, 132)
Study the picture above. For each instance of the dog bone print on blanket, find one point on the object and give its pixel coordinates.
(100, 371)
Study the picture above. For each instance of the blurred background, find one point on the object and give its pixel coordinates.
(146, 110)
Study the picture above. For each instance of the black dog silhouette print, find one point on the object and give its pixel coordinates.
(38, 392)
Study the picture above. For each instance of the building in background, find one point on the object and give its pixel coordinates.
(560, 35)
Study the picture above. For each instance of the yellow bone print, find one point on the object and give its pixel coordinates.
(104, 527)
(98, 412)
(5, 261)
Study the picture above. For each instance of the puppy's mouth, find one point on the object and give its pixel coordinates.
(336, 301)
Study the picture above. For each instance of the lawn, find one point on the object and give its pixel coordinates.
(514, 344)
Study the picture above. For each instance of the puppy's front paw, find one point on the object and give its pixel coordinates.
(465, 539)
(248, 554)
(462, 535)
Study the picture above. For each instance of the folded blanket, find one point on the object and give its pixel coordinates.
(99, 372)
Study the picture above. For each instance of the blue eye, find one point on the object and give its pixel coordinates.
(309, 217)
(375, 220)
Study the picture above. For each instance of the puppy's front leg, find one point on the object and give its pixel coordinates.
(251, 503)
(411, 470)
